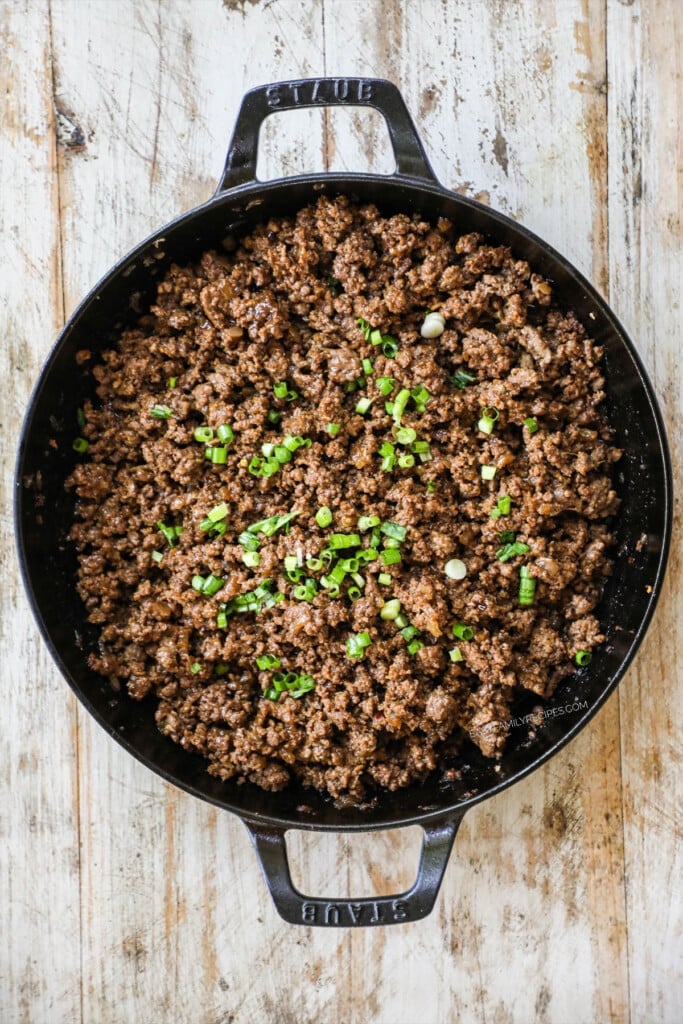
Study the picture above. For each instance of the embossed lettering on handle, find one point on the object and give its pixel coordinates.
(260, 103)
(412, 905)
(320, 90)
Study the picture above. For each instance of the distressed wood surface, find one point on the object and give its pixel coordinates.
(124, 900)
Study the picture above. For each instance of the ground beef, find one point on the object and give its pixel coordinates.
(293, 307)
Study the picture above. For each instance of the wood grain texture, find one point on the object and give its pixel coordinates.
(646, 278)
(39, 856)
(125, 900)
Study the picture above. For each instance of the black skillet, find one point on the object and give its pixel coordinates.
(44, 511)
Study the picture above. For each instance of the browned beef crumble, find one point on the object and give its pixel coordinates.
(283, 306)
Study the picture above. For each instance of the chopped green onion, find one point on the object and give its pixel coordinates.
(195, 667)
(367, 366)
(385, 385)
(212, 584)
(271, 693)
(251, 559)
(394, 530)
(400, 403)
(462, 631)
(172, 381)
(170, 532)
(306, 592)
(455, 569)
(390, 609)
(217, 513)
(488, 472)
(273, 416)
(198, 583)
(294, 441)
(431, 486)
(409, 631)
(203, 434)
(507, 536)
(225, 433)
(391, 542)
(401, 621)
(527, 587)
(364, 326)
(375, 337)
(280, 390)
(390, 556)
(80, 418)
(268, 661)
(421, 448)
(583, 658)
(282, 454)
(161, 412)
(405, 435)
(363, 405)
(531, 424)
(420, 395)
(414, 646)
(222, 620)
(389, 346)
(217, 455)
(222, 669)
(323, 516)
(344, 540)
(348, 564)
(80, 445)
(333, 429)
(488, 419)
(157, 556)
(314, 564)
(455, 654)
(509, 551)
(356, 645)
(461, 378)
(385, 579)
(271, 525)
(387, 451)
(503, 506)
(367, 522)
(406, 461)
(291, 563)
(249, 541)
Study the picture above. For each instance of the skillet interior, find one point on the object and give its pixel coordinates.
(44, 511)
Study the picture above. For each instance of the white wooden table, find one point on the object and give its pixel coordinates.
(124, 901)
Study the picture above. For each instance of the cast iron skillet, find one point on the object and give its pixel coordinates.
(44, 511)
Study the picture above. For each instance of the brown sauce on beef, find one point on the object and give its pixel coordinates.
(284, 307)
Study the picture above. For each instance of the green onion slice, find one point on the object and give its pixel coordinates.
(509, 551)
(461, 631)
(357, 644)
(161, 412)
(527, 587)
(271, 525)
(461, 379)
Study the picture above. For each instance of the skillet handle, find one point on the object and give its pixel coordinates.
(257, 104)
(412, 905)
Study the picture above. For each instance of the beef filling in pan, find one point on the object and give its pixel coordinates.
(344, 496)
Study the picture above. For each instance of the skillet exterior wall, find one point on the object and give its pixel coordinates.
(548, 858)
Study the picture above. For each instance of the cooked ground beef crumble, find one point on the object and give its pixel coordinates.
(496, 463)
